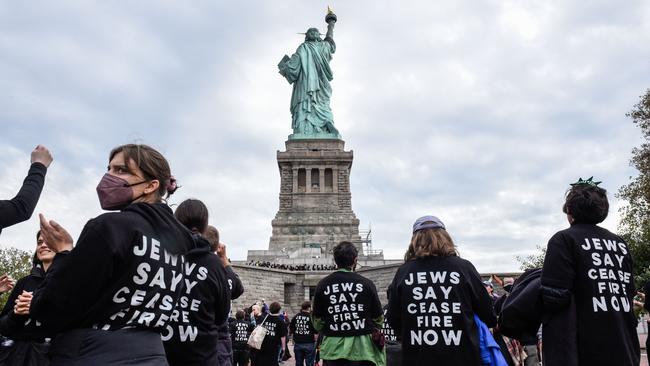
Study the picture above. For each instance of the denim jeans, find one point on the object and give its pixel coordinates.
(304, 353)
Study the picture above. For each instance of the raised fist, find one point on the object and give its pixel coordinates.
(42, 155)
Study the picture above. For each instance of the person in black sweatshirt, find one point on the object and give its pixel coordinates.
(240, 331)
(275, 338)
(346, 311)
(393, 344)
(304, 336)
(21, 207)
(191, 337)
(588, 272)
(224, 346)
(433, 298)
(29, 346)
(111, 296)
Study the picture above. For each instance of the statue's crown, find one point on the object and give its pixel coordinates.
(589, 182)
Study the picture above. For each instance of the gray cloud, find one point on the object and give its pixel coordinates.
(478, 112)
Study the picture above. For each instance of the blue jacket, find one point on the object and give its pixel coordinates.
(490, 352)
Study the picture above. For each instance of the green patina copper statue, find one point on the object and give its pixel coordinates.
(309, 71)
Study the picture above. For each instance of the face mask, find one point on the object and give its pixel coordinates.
(507, 288)
(115, 193)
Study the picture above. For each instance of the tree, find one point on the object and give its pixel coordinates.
(533, 260)
(16, 263)
(635, 216)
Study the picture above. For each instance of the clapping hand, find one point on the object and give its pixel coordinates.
(54, 235)
(23, 302)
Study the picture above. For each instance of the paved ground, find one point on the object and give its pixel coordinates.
(642, 338)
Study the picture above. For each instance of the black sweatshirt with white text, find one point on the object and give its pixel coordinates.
(276, 329)
(240, 331)
(191, 336)
(387, 330)
(302, 328)
(594, 266)
(347, 303)
(432, 302)
(127, 270)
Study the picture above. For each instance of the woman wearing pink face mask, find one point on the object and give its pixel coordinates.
(108, 298)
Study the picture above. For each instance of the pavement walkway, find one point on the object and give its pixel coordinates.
(642, 338)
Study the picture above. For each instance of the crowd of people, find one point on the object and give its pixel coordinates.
(145, 285)
(293, 267)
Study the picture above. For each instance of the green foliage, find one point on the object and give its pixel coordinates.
(635, 216)
(16, 263)
(533, 260)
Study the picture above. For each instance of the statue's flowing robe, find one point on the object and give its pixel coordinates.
(309, 71)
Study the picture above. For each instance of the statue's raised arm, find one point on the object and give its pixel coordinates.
(309, 71)
(330, 19)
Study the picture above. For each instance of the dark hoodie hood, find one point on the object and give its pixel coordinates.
(174, 237)
(37, 271)
(201, 247)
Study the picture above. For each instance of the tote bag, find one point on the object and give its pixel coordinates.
(257, 336)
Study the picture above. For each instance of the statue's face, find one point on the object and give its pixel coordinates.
(312, 34)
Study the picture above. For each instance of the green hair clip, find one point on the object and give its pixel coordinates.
(589, 182)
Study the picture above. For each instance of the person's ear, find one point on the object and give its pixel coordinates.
(152, 186)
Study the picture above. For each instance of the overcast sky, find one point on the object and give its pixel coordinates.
(480, 112)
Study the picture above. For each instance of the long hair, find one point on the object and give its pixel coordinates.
(35, 261)
(430, 242)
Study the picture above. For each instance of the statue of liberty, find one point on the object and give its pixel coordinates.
(309, 71)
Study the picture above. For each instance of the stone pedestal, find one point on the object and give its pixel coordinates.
(315, 210)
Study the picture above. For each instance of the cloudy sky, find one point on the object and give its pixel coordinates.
(478, 112)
